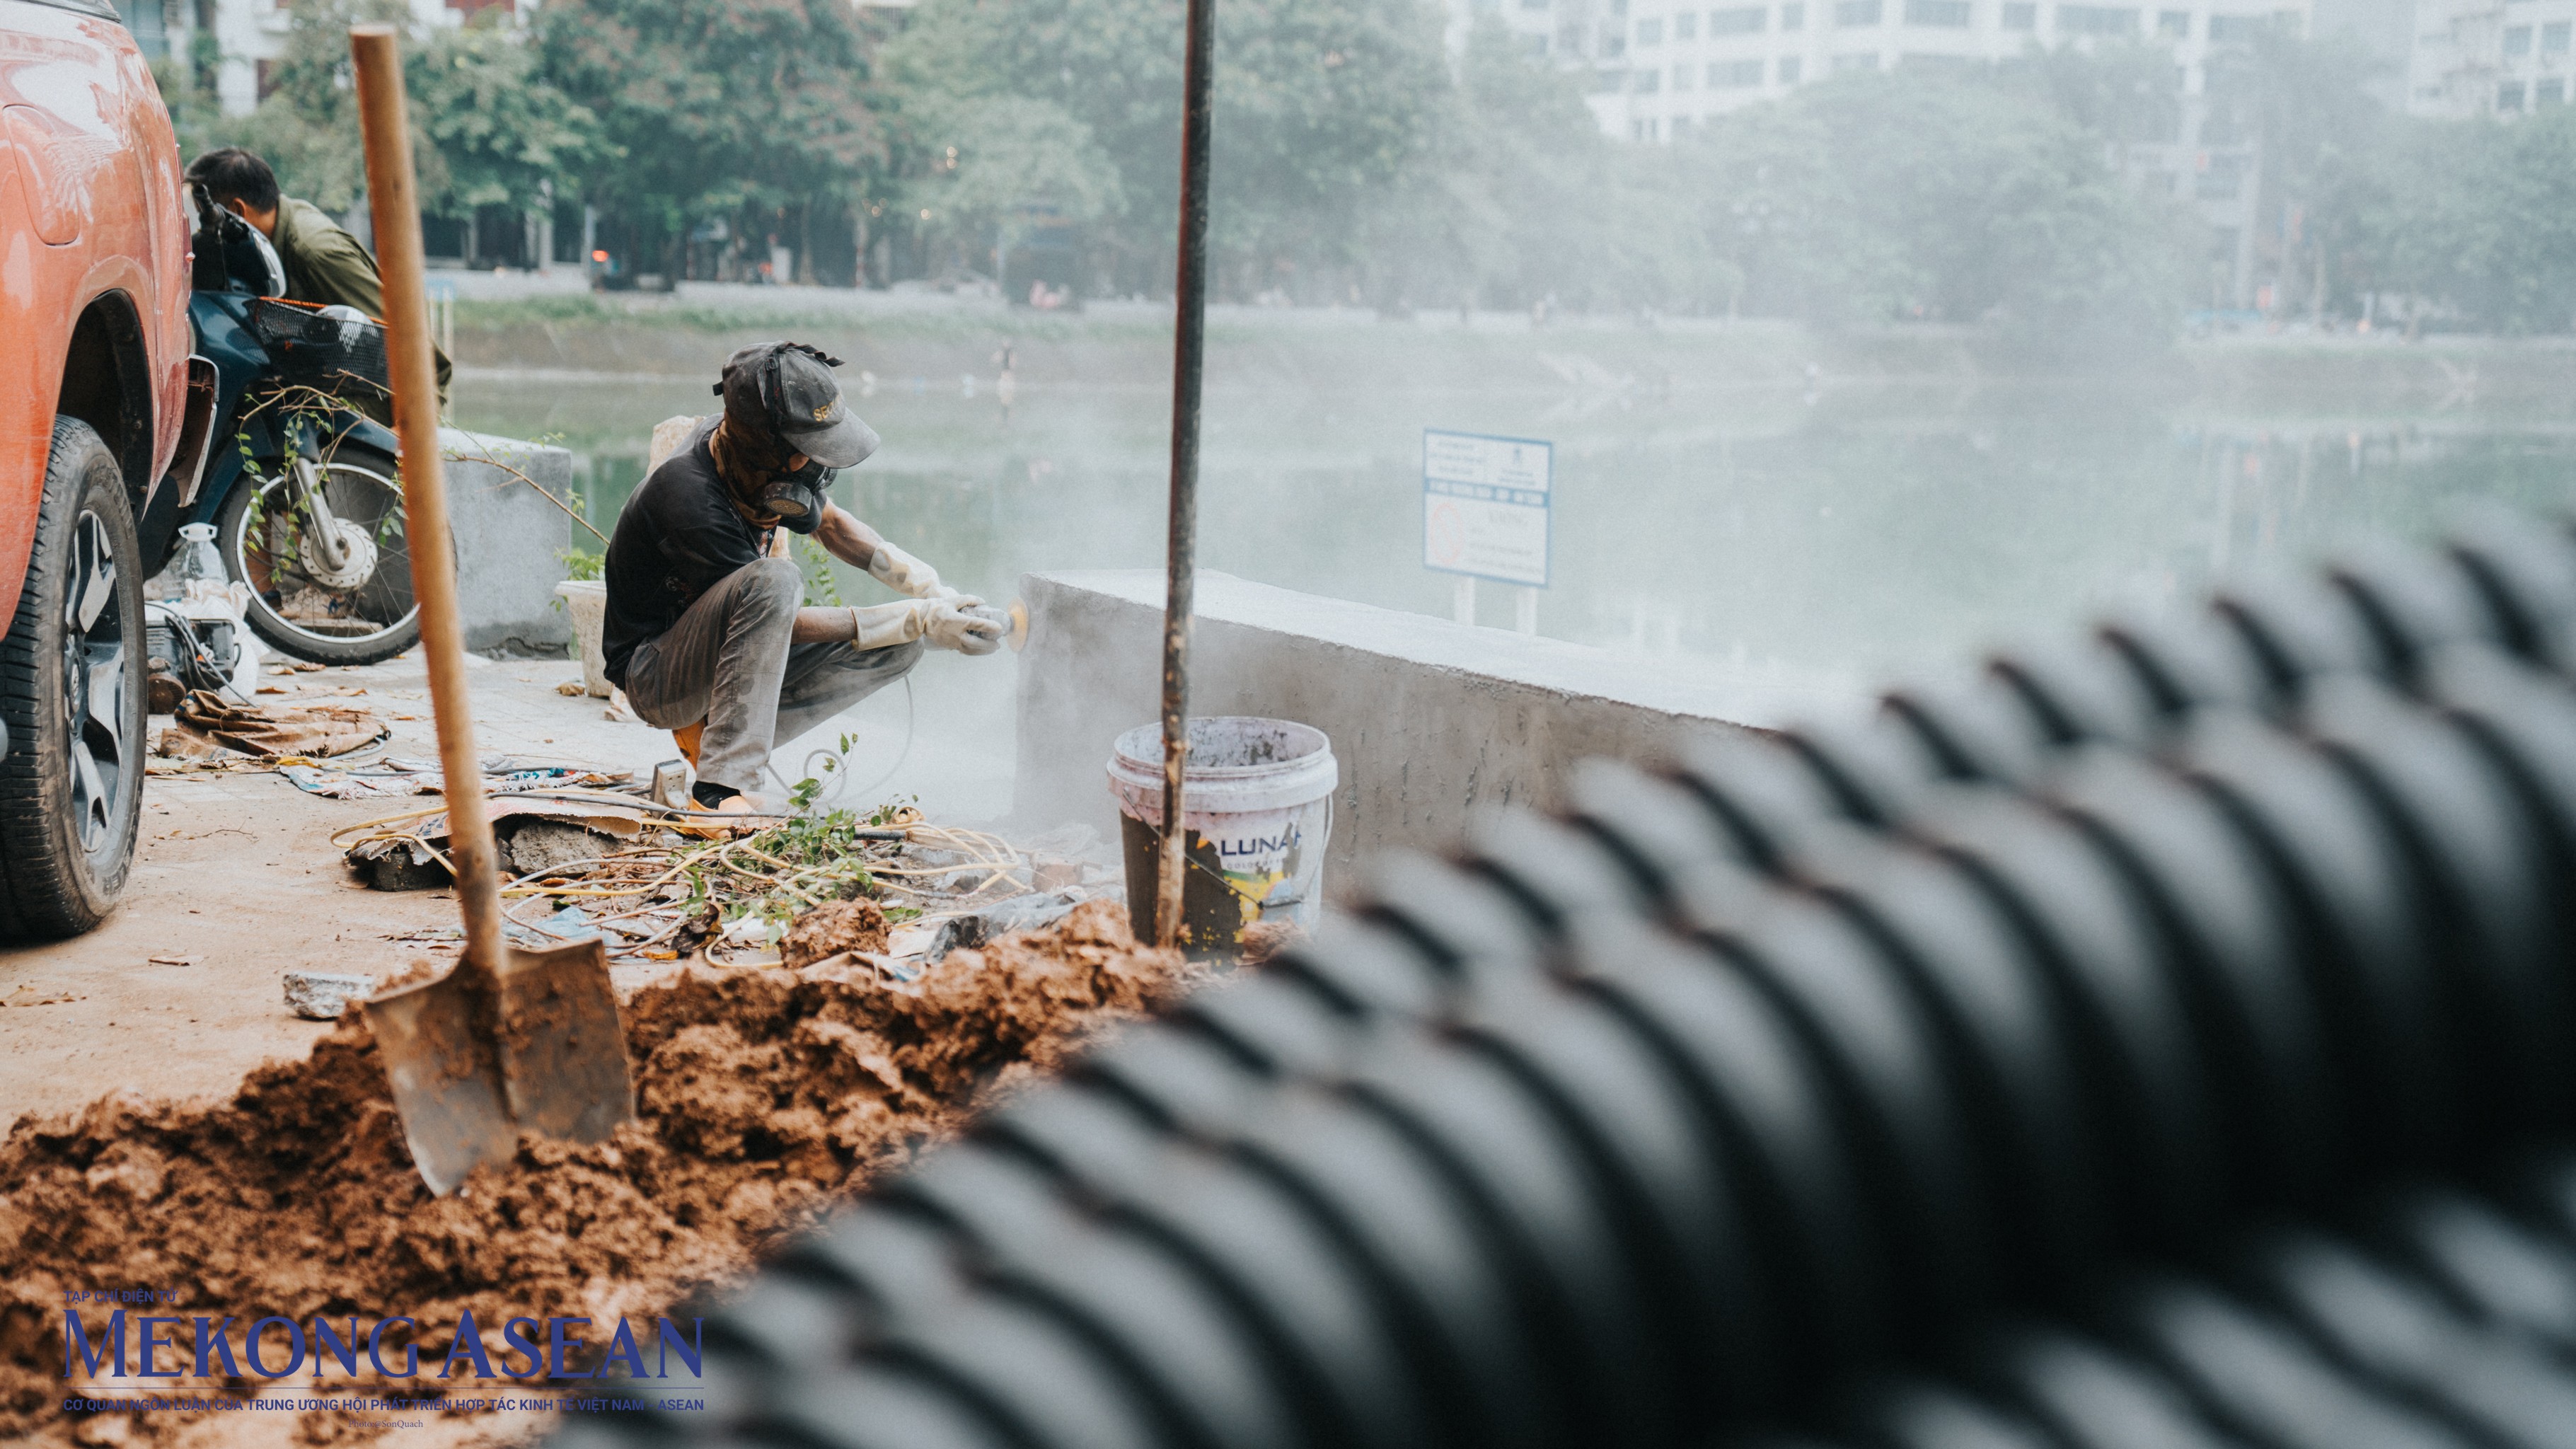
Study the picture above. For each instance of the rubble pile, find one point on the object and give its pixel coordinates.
(656, 888)
(763, 1096)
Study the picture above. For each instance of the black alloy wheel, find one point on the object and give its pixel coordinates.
(71, 695)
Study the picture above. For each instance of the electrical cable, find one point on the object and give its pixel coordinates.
(838, 766)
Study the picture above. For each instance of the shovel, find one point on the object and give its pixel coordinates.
(510, 1041)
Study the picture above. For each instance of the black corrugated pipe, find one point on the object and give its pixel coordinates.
(2161, 1036)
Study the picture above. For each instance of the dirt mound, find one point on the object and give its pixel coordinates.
(831, 928)
(764, 1095)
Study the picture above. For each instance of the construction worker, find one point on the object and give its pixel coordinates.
(704, 629)
(324, 265)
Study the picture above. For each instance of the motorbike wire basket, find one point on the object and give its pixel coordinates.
(335, 349)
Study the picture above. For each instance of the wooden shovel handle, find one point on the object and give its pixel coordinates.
(393, 195)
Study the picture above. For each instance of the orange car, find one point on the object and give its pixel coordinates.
(102, 436)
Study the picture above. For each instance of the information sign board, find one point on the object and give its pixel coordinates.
(1485, 506)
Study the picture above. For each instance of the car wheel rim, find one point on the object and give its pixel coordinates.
(94, 684)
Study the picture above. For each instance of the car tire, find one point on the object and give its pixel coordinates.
(71, 694)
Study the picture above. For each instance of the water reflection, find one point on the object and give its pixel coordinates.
(1811, 533)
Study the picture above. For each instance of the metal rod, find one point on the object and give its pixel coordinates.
(1189, 330)
(393, 195)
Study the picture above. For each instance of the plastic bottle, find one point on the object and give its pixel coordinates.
(197, 557)
(212, 603)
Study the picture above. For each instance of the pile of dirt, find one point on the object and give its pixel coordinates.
(764, 1095)
(831, 928)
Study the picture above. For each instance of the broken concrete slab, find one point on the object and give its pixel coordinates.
(1019, 913)
(323, 995)
(532, 844)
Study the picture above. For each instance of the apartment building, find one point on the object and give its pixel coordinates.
(1656, 69)
(248, 36)
(2490, 57)
(1684, 63)
(1577, 34)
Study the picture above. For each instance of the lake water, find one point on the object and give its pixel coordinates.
(1817, 532)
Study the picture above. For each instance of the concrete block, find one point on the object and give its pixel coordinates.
(509, 539)
(1435, 723)
(323, 995)
(531, 844)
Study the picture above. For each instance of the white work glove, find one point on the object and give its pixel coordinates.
(907, 575)
(953, 626)
(883, 626)
(944, 624)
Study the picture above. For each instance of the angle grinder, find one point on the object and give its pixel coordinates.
(1014, 621)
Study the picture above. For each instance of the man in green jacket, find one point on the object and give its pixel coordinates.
(324, 264)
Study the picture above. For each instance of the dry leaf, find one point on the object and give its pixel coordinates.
(30, 996)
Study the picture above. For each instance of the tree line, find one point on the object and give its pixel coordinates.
(1358, 163)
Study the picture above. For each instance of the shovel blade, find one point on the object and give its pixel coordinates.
(446, 1080)
(561, 1047)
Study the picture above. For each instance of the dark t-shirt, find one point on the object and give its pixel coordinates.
(679, 536)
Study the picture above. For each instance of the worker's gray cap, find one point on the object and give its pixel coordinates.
(791, 386)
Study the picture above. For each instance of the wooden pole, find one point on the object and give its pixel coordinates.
(1189, 297)
(393, 195)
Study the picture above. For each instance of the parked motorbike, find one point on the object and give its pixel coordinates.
(301, 480)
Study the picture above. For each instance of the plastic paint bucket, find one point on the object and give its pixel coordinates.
(1257, 810)
(586, 600)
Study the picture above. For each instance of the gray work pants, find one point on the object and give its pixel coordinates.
(729, 661)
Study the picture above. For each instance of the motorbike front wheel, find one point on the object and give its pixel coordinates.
(358, 615)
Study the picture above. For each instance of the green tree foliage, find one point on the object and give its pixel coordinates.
(194, 115)
(2123, 91)
(1516, 195)
(1773, 207)
(1320, 106)
(1356, 161)
(503, 134)
(307, 126)
(2480, 217)
(1963, 197)
(1523, 172)
(2470, 222)
(713, 105)
(1014, 164)
(487, 127)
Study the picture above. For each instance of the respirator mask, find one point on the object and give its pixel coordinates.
(797, 499)
(798, 410)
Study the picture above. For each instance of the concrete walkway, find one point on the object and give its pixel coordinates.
(236, 875)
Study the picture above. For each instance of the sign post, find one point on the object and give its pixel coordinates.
(1485, 515)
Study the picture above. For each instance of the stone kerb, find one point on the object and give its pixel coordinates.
(1433, 723)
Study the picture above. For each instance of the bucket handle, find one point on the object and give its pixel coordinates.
(1325, 844)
